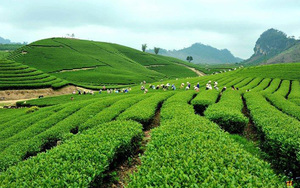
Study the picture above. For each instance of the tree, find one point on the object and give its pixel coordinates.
(189, 58)
(72, 35)
(156, 50)
(144, 46)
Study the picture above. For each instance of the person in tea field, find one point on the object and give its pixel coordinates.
(173, 87)
(182, 85)
(198, 85)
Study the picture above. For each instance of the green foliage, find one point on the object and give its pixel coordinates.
(189, 58)
(284, 105)
(187, 150)
(71, 117)
(295, 90)
(275, 83)
(283, 90)
(144, 110)
(144, 46)
(204, 99)
(279, 131)
(156, 50)
(95, 63)
(111, 112)
(10, 47)
(12, 128)
(251, 84)
(263, 85)
(17, 76)
(228, 112)
(288, 71)
(72, 164)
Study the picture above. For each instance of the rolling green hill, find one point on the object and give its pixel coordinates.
(18, 76)
(92, 63)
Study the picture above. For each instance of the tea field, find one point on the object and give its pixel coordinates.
(243, 137)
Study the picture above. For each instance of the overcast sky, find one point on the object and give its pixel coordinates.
(169, 24)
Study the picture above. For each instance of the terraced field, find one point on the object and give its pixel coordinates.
(91, 64)
(247, 137)
(246, 133)
(18, 76)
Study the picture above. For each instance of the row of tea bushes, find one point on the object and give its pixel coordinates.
(272, 87)
(111, 112)
(284, 88)
(204, 99)
(263, 85)
(294, 96)
(53, 129)
(79, 162)
(228, 112)
(187, 150)
(284, 105)
(279, 132)
(144, 111)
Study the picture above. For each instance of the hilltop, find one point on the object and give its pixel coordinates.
(201, 53)
(274, 46)
(90, 63)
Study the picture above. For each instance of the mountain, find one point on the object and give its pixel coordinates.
(274, 46)
(90, 63)
(4, 41)
(201, 54)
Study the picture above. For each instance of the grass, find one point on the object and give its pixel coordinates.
(107, 63)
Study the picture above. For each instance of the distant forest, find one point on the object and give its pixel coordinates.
(10, 47)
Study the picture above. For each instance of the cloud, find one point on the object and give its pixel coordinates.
(230, 24)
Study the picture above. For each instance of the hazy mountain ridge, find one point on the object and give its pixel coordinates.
(274, 46)
(201, 54)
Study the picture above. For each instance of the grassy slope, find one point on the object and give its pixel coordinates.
(109, 63)
(290, 55)
(288, 71)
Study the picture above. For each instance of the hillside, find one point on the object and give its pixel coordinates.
(201, 53)
(85, 62)
(290, 55)
(231, 137)
(274, 46)
(18, 76)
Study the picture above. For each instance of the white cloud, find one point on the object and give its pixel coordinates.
(231, 24)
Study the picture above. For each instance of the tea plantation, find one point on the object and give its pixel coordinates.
(90, 63)
(245, 133)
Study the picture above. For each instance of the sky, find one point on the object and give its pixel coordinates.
(168, 24)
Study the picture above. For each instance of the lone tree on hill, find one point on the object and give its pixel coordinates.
(189, 58)
(144, 46)
(156, 50)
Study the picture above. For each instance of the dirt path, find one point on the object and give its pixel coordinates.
(11, 96)
(199, 73)
(129, 166)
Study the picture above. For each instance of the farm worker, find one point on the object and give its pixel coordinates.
(197, 89)
(146, 91)
(232, 87)
(187, 88)
(182, 85)
(104, 88)
(224, 89)
(157, 87)
(153, 86)
(100, 91)
(198, 85)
